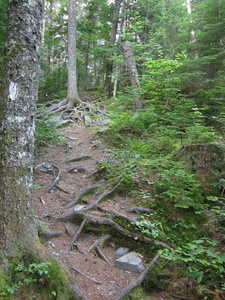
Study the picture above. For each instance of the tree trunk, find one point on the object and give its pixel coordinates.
(72, 93)
(18, 231)
(133, 73)
(108, 89)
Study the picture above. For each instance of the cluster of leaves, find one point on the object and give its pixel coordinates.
(36, 275)
(46, 133)
(204, 262)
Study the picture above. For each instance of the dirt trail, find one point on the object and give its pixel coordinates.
(48, 207)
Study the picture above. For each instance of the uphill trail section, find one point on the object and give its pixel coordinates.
(75, 208)
(103, 280)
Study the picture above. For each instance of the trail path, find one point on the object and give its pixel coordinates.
(97, 278)
(80, 141)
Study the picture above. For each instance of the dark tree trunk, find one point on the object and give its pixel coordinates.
(18, 232)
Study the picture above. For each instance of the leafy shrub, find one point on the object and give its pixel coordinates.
(202, 258)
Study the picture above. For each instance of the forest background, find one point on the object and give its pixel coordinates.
(175, 137)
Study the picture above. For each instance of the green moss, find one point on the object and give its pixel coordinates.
(57, 285)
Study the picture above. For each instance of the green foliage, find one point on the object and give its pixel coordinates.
(178, 186)
(46, 133)
(202, 258)
(22, 275)
(149, 228)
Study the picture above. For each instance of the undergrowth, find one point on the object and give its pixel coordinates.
(182, 208)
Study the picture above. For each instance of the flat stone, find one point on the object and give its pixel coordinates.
(87, 238)
(78, 207)
(122, 251)
(130, 262)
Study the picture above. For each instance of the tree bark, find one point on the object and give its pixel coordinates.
(131, 64)
(72, 93)
(108, 88)
(18, 231)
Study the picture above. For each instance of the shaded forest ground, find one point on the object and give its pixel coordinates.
(105, 280)
(82, 170)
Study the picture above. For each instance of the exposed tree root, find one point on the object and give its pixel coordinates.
(99, 242)
(77, 169)
(83, 157)
(76, 236)
(47, 235)
(81, 194)
(139, 209)
(138, 281)
(92, 279)
(48, 190)
(78, 216)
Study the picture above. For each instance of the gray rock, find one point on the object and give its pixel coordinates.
(87, 120)
(87, 238)
(130, 262)
(78, 207)
(122, 251)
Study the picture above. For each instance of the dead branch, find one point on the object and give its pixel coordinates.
(92, 279)
(138, 281)
(76, 236)
(81, 194)
(139, 209)
(48, 190)
(83, 157)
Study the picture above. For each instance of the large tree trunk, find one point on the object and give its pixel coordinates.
(72, 93)
(108, 88)
(131, 64)
(18, 232)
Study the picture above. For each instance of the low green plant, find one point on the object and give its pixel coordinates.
(46, 134)
(22, 275)
(149, 228)
(203, 260)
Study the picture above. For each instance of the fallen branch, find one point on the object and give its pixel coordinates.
(85, 275)
(84, 157)
(81, 194)
(138, 281)
(48, 190)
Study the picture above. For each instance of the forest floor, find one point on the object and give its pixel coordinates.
(102, 280)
